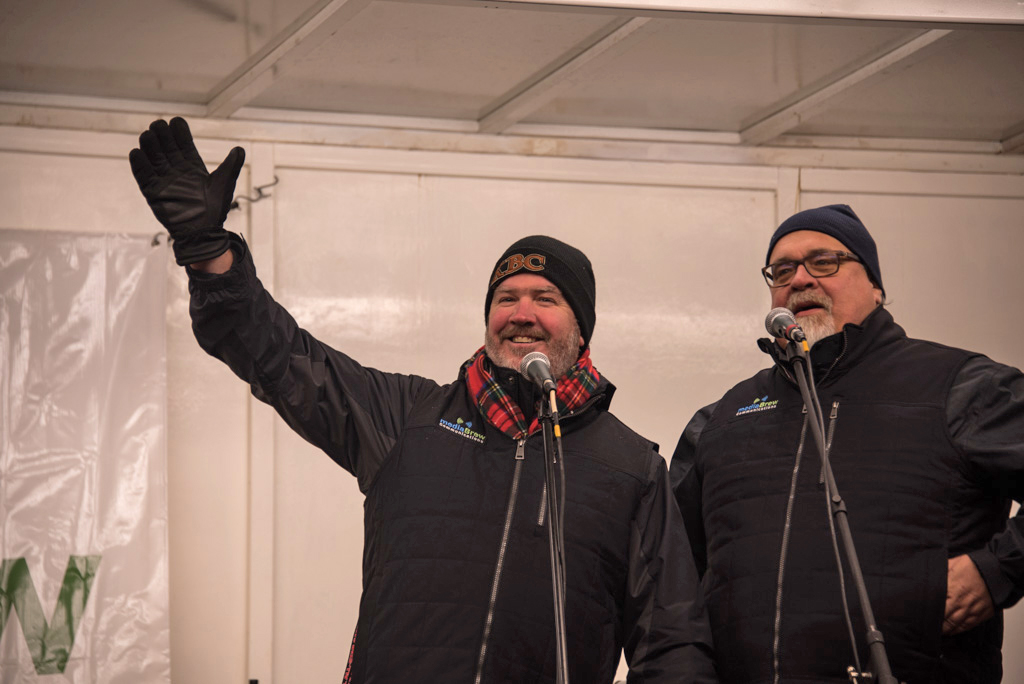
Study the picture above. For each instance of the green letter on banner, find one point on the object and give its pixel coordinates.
(49, 643)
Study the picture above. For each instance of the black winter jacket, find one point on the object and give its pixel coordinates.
(456, 565)
(927, 447)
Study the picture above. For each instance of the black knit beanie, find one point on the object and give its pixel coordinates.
(839, 221)
(564, 265)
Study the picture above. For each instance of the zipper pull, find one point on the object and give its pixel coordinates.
(520, 449)
(828, 445)
(543, 509)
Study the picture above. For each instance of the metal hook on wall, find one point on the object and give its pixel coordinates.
(259, 194)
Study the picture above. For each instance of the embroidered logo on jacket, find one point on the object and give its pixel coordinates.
(462, 428)
(760, 404)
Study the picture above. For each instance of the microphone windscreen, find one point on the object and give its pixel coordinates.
(533, 357)
(777, 320)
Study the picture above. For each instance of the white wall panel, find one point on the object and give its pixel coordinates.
(70, 193)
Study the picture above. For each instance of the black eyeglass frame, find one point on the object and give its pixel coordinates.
(843, 256)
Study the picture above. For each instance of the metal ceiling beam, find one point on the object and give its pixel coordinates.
(807, 102)
(555, 78)
(1013, 143)
(60, 126)
(257, 73)
(914, 11)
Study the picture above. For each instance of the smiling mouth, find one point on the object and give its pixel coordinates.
(522, 339)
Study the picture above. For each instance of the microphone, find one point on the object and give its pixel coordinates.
(537, 369)
(781, 322)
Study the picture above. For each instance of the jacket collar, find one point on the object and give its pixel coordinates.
(834, 355)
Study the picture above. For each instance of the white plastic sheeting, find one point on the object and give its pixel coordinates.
(83, 502)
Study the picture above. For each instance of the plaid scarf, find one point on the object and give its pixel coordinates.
(573, 390)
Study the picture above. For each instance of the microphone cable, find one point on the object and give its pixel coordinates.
(556, 532)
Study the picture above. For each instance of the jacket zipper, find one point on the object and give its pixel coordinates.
(828, 441)
(839, 561)
(777, 624)
(520, 456)
(839, 357)
(833, 414)
(543, 505)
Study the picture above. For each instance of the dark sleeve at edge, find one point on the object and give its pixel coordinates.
(686, 485)
(985, 414)
(667, 634)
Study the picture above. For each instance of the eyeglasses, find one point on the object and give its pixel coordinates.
(820, 265)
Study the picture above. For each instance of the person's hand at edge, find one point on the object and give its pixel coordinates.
(968, 602)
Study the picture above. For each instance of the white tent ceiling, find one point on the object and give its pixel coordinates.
(944, 75)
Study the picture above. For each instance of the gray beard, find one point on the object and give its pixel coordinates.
(818, 327)
(562, 353)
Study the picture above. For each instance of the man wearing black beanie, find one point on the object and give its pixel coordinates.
(457, 564)
(927, 446)
(546, 262)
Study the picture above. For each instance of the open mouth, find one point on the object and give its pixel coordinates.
(523, 339)
(808, 309)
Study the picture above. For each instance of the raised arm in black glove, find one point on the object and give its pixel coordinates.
(190, 202)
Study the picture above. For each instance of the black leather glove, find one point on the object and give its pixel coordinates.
(190, 202)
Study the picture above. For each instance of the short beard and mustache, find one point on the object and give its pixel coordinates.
(816, 326)
(562, 352)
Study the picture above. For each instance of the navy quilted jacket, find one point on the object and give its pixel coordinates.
(927, 447)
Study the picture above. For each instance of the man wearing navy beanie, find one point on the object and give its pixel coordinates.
(927, 446)
(841, 249)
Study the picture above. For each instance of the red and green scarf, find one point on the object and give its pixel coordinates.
(574, 388)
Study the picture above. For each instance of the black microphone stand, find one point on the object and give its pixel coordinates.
(556, 527)
(796, 354)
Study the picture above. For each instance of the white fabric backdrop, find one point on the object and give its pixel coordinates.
(83, 503)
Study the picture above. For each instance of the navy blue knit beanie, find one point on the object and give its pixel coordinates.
(839, 221)
(564, 265)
